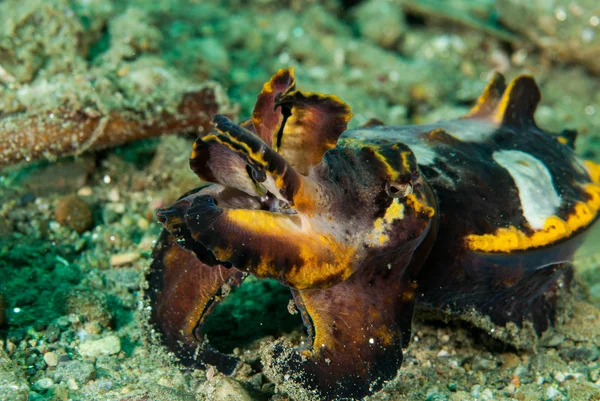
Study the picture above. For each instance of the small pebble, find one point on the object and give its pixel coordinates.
(113, 195)
(51, 359)
(91, 304)
(442, 354)
(72, 384)
(460, 396)
(123, 259)
(143, 224)
(79, 371)
(52, 333)
(43, 384)
(105, 346)
(561, 377)
(553, 340)
(481, 363)
(580, 352)
(85, 191)
(227, 388)
(73, 212)
(551, 392)
(487, 395)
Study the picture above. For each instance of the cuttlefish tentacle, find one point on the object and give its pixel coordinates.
(266, 244)
(180, 305)
(357, 329)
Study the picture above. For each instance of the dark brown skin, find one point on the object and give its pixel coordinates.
(179, 309)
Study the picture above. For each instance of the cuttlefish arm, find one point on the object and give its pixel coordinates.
(356, 333)
(180, 305)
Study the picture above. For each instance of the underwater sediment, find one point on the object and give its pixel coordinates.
(74, 325)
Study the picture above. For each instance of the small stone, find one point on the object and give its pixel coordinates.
(561, 377)
(85, 191)
(483, 364)
(52, 333)
(113, 195)
(123, 259)
(43, 384)
(433, 394)
(105, 346)
(64, 358)
(51, 359)
(487, 395)
(510, 360)
(91, 304)
(73, 212)
(143, 224)
(80, 371)
(460, 396)
(442, 354)
(226, 388)
(580, 353)
(551, 392)
(93, 328)
(63, 177)
(553, 340)
(72, 384)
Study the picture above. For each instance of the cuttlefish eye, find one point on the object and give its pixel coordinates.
(399, 190)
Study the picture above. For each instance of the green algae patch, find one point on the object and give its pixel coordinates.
(255, 310)
(36, 276)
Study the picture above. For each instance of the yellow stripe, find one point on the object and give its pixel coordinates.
(392, 173)
(512, 239)
(593, 171)
(321, 254)
(253, 156)
(413, 203)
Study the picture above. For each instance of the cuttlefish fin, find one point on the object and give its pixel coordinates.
(357, 330)
(513, 105)
(518, 103)
(182, 292)
(488, 100)
(266, 117)
(300, 126)
(313, 125)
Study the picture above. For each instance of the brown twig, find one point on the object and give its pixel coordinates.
(66, 132)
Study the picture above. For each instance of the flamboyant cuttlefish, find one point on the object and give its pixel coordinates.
(477, 214)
